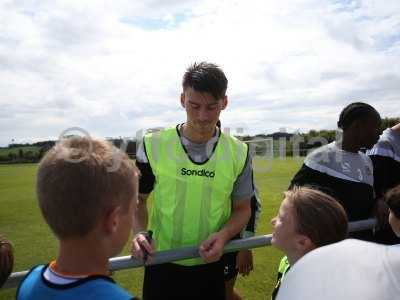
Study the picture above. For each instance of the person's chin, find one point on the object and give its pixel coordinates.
(373, 143)
(370, 145)
(204, 128)
(277, 244)
(273, 240)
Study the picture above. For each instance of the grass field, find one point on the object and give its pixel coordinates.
(21, 222)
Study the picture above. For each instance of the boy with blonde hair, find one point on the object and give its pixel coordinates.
(88, 204)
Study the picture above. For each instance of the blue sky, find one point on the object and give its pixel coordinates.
(113, 68)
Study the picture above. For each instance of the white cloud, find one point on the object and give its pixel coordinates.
(115, 67)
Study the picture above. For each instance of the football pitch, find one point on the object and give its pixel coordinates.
(22, 223)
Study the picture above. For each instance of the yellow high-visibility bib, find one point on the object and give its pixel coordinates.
(191, 200)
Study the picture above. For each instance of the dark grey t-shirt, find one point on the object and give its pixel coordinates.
(243, 187)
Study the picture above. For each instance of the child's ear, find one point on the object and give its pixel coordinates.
(183, 100)
(224, 102)
(112, 220)
(305, 244)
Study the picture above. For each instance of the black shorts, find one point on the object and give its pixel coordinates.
(230, 270)
(173, 281)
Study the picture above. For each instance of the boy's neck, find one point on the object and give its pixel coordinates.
(349, 143)
(77, 258)
(295, 256)
(195, 136)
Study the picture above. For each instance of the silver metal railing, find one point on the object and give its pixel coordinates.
(127, 262)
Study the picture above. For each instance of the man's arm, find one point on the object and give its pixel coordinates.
(140, 244)
(140, 217)
(212, 249)
(244, 258)
(255, 204)
(241, 211)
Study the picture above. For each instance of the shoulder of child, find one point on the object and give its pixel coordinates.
(108, 289)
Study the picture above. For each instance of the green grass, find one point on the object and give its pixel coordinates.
(21, 222)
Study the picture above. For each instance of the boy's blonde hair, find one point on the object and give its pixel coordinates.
(78, 183)
(318, 216)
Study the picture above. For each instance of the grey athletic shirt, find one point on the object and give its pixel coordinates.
(332, 160)
(388, 145)
(243, 187)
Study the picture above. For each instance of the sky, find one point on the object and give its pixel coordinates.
(113, 68)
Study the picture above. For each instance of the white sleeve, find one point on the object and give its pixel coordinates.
(351, 270)
(140, 153)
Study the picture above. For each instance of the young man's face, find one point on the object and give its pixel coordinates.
(394, 223)
(284, 234)
(202, 109)
(370, 131)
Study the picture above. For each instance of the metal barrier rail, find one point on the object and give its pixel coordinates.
(127, 262)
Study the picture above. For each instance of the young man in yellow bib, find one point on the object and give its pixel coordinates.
(201, 183)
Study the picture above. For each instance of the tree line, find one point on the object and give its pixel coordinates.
(287, 144)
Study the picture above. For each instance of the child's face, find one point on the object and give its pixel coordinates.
(284, 234)
(394, 223)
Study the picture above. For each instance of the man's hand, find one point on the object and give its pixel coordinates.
(212, 248)
(244, 262)
(142, 247)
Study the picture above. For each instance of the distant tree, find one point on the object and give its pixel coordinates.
(329, 135)
(18, 145)
(31, 156)
(46, 144)
(389, 122)
(313, 133)
(42, 152)
(20, 153)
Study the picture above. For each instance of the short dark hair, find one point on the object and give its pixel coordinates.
(392, 198)
(76, 187)
(318, 216)
(355, 111)
(207, 78)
